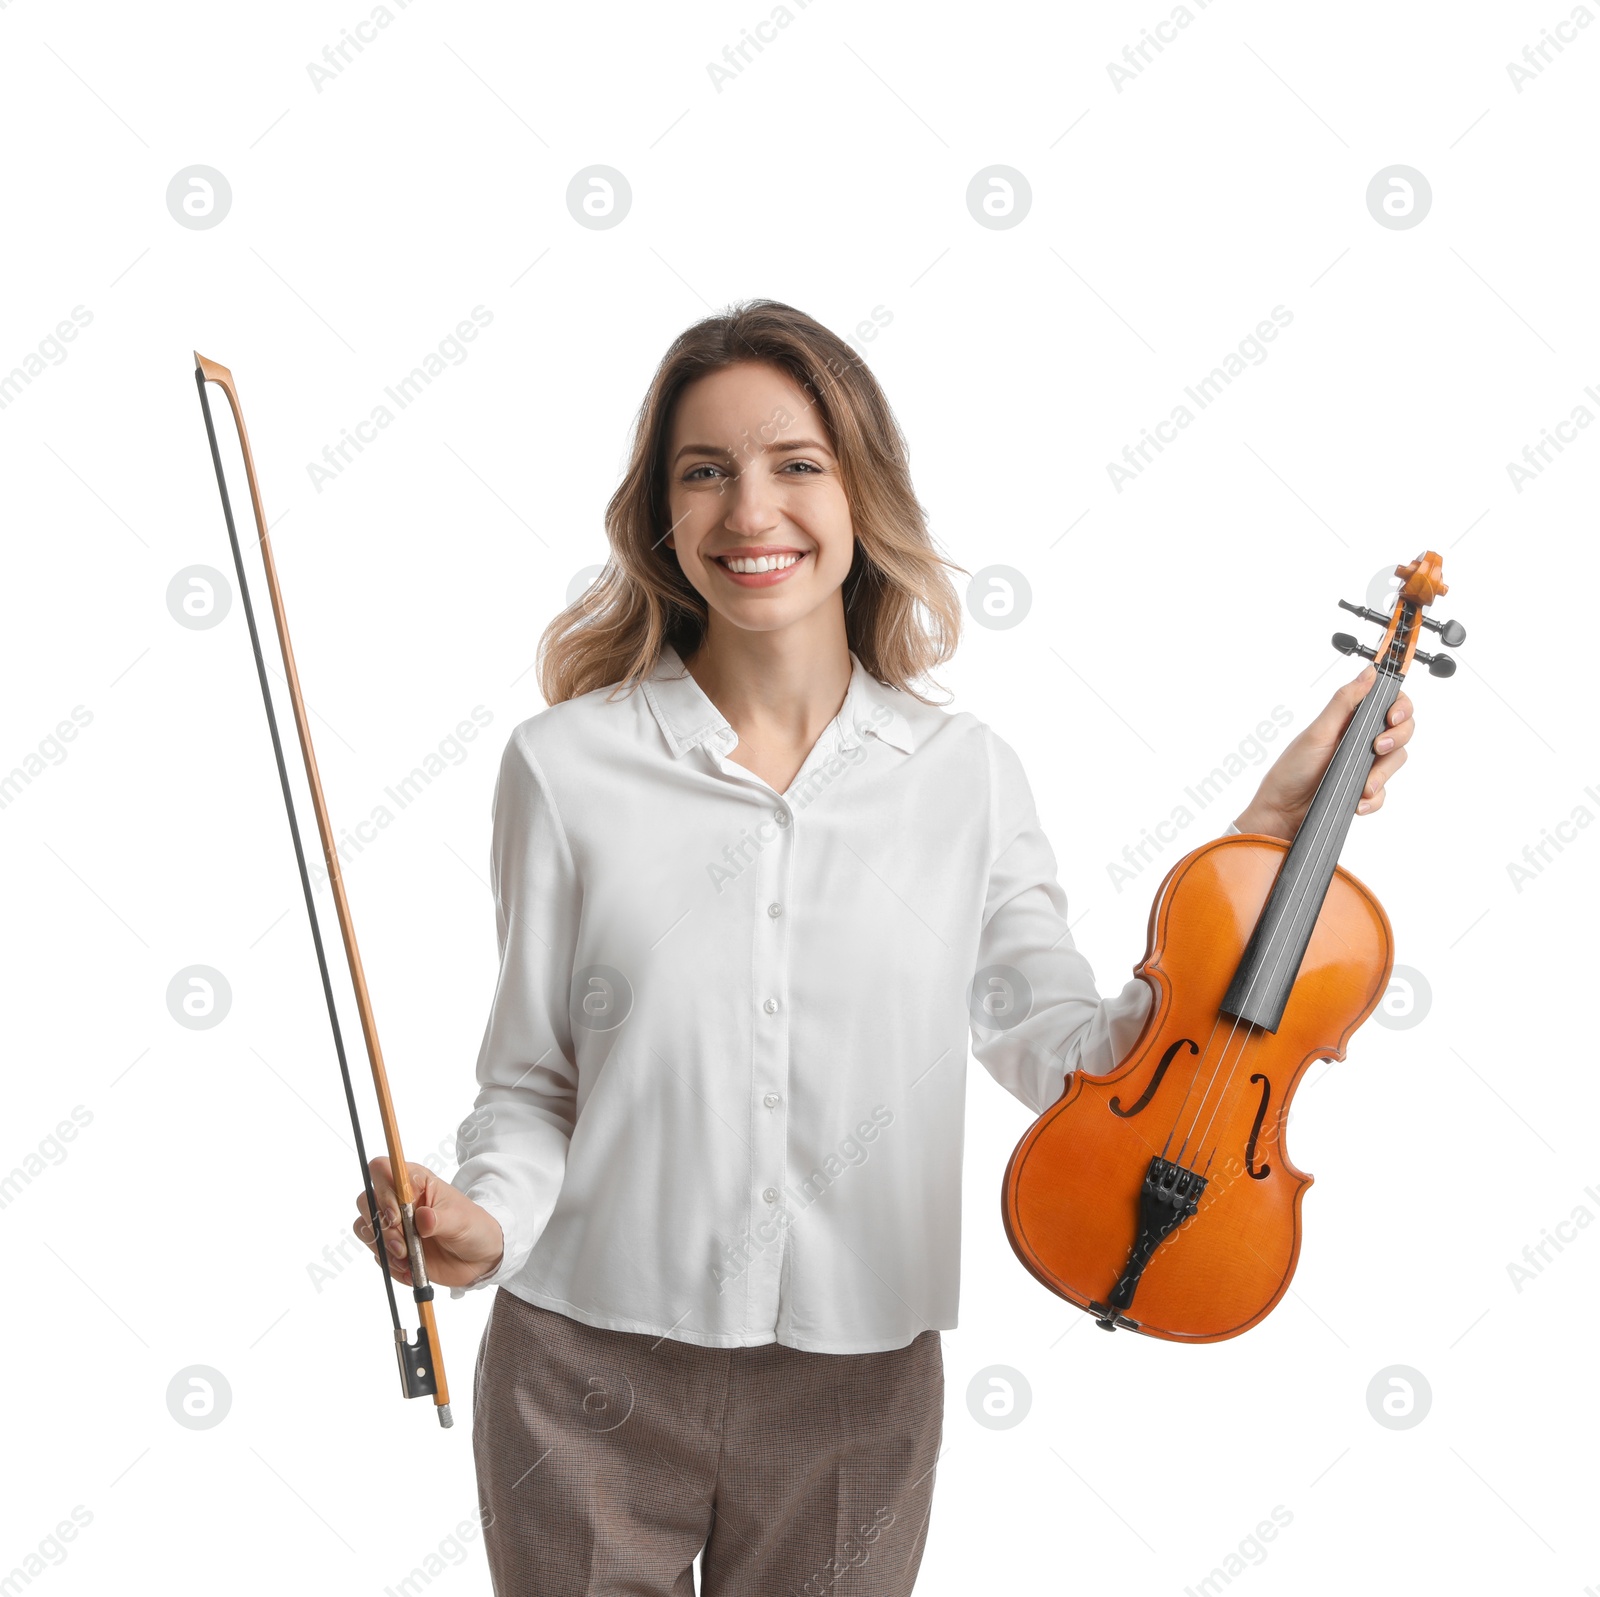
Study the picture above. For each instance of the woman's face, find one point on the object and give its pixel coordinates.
(751, 479)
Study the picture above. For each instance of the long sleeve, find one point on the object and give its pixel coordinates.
(513, 1147)
(1035, 1010)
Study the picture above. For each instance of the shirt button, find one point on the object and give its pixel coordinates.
(774, 910)
(770, 1099)
(781, 817)
(771, 1006)
(771, 1194)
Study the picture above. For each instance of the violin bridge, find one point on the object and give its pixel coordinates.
(1169, 1196)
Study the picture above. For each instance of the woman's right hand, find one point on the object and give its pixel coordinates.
(461, 1241)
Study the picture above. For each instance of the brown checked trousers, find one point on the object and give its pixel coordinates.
(608, 1459)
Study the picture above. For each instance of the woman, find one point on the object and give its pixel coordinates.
(747, 883)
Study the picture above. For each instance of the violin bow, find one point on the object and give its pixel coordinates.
(421, 1363)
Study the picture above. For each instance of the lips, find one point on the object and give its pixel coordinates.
(760, 579)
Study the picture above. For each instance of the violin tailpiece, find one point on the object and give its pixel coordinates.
(1169, 1196)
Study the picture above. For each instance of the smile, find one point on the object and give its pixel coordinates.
(761, 571)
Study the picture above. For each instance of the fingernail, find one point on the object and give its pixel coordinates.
(1384, 745)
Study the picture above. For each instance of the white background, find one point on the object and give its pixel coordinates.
(1169, 215)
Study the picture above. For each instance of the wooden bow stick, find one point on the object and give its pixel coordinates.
(421, 1364)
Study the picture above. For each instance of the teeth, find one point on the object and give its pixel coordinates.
(763, 563)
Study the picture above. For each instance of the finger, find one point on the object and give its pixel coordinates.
(383, 1184)
(1381, 771)
(1368, 805)
(383, 1189)
(1394, 737)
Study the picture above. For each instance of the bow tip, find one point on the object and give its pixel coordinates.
(211, 370)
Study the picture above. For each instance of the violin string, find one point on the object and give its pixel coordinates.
(1372, 716)
(1194, 1076)
(1320, 844)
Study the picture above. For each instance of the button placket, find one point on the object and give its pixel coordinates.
(770, 1079)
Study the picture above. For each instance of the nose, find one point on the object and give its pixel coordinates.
(752, 504)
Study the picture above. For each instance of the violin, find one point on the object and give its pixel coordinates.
(1160, 1197)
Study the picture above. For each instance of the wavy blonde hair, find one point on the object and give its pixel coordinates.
(902, 614)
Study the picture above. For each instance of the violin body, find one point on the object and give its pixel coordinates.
(1207, 1091)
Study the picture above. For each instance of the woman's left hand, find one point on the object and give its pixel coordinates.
(1286, 790)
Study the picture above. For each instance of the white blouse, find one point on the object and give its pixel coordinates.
(722, 1081)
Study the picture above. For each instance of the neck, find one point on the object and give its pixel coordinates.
(775, 688)
(1272, 958)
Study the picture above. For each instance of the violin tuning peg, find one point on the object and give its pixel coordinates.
(1365, 614)
(1452, 633)
(1346, 644)
(1439, 665)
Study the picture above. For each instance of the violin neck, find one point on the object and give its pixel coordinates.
(1272, 958)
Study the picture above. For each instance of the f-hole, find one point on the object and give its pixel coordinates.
(1255, 1130)
(1155, 1081)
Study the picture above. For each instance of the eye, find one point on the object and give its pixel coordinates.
(811, 467)
(690, 475)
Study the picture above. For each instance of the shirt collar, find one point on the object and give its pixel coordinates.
(688, 717)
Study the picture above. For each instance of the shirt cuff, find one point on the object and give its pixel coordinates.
(509, 1263)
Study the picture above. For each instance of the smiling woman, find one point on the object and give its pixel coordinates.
(760, 907)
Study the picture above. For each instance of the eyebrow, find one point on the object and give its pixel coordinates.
(781, 448)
